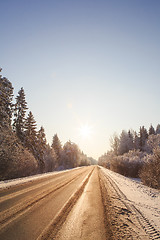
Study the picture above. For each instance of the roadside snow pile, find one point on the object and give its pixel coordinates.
(17, 181)
(145, 199)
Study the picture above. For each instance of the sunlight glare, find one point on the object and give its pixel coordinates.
(85, 131)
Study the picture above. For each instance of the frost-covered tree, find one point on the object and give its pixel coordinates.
(35, 141)
(50, 159)
(150, 173)
(30, 133)
(41, 137)
(128, 164)
(15, 160)
(143, 135)
(57, 146)
(153, 142)
(41, 148)
(71, 155)
(106, 159)
(114, 142)
(6, 95)
(19, 115)
(125, 142)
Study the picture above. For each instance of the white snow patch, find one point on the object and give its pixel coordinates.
(146, 199)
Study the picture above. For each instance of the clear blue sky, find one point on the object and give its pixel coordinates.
(94, 62)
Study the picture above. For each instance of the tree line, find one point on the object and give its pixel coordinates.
(135, 155)
(24, 149)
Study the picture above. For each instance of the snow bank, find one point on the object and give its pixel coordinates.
(17, 181)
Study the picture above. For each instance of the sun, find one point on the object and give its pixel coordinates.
(85, 131)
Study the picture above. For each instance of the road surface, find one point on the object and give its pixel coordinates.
(82, 203)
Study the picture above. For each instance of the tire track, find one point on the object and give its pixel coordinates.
(149, 229)
(11, 214)
(19, 189)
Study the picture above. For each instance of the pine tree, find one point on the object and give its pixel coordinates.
(143, 135)
(30, 133)
(136, 141)
(151, 130)
(41, 148)
(130, 140)
(42, 138)
(57, 146)
(6, 95)
(19, 113)
(158, 129)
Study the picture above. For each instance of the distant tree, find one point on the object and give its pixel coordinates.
(6, 95)
(125, 142)
(136, 141)
(92, 161)
(83, 160)
(31, 133)
(151, 130)
(143, 136)
(57, 147)
(130, 140)
(50, 159)
(114, 142)
(158, 129)
(41, 148)
(71, 155)
(19, 114)
(41, 136)
(106, 159)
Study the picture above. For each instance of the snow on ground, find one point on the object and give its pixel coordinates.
(146, 199)
(17, 181)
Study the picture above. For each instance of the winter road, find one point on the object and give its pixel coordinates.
(83, 203)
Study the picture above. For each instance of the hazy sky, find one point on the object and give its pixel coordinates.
(84, 62)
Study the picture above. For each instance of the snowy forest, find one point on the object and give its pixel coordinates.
(135, 155)
(24, 150)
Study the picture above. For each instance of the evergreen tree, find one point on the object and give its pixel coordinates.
(42, 138)
(6, 95)
(41, 148)
(136, 143)
(15, 160)
(30, 133)
(158, 129)
(151, 130)
(130, 140)
(57, 146)
(143, 136)
(19, 113)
